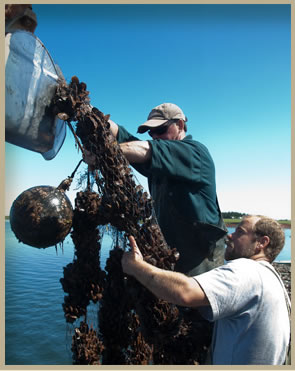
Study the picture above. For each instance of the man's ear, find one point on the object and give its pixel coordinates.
(263, 242)
(180, 124)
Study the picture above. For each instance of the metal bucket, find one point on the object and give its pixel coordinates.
(31, 78)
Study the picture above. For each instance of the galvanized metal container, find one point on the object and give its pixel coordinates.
(31, 78)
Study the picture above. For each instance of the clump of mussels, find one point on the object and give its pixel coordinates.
(134, 326)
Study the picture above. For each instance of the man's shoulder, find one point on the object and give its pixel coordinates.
(124, 135)
(242, 266)
(189, 139)
(230, 267)
(195, 143)
(241, 263)
(249, 268)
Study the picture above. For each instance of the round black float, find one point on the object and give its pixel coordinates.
(41, 216)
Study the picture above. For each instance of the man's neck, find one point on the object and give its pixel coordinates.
(259, 257)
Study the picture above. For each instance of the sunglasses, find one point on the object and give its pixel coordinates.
(161, 129)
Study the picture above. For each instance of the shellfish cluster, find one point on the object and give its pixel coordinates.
(134, 326)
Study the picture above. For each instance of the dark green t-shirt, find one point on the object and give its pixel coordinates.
(181, 178)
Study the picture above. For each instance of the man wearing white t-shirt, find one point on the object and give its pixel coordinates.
(244, 297)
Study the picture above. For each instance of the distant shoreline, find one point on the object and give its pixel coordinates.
(284, 224)
(233, 224)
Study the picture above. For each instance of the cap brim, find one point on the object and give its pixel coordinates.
(150, 124)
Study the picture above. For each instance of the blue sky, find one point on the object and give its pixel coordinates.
(227, 66)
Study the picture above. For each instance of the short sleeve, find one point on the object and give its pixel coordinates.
(176, 158)
(124, 135)
(230, 288)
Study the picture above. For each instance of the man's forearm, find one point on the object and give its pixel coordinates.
(137, 152)
(171, 286)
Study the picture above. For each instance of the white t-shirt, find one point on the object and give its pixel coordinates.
(248, 304)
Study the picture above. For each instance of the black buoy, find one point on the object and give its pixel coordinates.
(41, 216)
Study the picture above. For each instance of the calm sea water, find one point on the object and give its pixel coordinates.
(35, 329)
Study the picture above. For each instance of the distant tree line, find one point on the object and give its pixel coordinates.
(232, 215)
